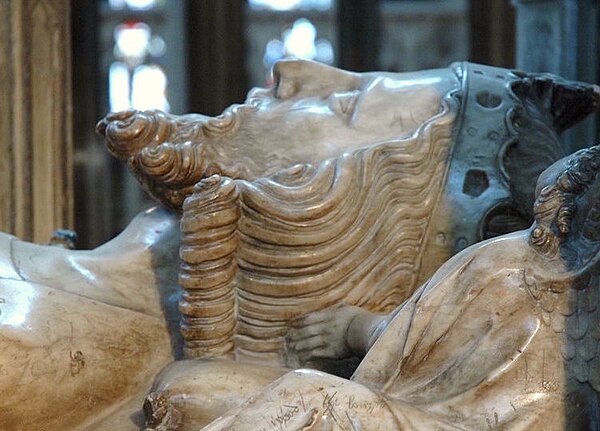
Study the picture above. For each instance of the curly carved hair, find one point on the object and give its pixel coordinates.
(556, 205)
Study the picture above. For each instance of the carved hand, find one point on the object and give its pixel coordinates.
(327, 334)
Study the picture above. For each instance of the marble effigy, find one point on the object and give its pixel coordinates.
(332, 187)
(340, 187)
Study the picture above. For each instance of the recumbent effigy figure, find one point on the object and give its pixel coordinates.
(393, 179)
(505, 335)
(396, 173)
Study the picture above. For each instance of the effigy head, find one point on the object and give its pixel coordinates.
(312, 113)
(507, 120)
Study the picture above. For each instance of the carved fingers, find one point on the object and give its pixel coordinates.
(319, 335)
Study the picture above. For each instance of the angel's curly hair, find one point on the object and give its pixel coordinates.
(556, 205)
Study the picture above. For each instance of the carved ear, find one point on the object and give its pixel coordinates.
(566, 102)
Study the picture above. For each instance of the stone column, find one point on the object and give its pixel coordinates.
(561, 37)
(35, 118)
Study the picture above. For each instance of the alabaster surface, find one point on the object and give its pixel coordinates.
(298, 215)
(503, 336)
(336, 187)
(82, 333)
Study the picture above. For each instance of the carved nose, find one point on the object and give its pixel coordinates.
(293, 76)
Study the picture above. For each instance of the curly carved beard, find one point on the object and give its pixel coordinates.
(170, 154)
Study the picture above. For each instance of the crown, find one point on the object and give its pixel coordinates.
(506, 135)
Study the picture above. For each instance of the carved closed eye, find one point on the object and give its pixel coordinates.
(344, 102)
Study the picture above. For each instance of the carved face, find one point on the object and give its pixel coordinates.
(567, 209)
(315, 112)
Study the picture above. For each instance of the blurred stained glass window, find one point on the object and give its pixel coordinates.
(283, 5)
(141, 46)
(288, 28)
(135, 79)
(132, 4)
